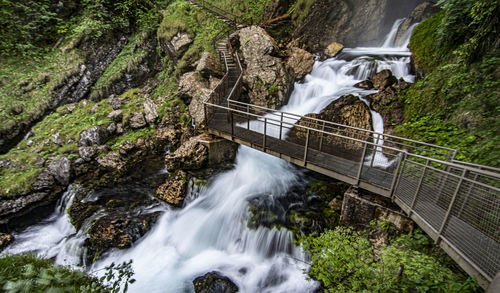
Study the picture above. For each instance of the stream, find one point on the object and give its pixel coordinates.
(211, 233)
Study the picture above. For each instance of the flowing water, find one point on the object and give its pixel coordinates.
(211, 232)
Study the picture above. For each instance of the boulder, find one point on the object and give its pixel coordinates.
(191, 155)
(44, 181)
(61, 170)
(333, 49)
(300, 61)
(365, 84)
(347, 110)
(150, 111)
(267, 79)
(383, 79)
(126, 147)
(88, 153)
(95, 135)
(174, 189)
(196, 91)
(419, 14)
(167, 134)
(112, 160)
(111, 128)
(209, 66)
(214, 282)
(56, 139)
(176, 45)
(116, 103)
(116, 115)
(137, 120)
(5, 240)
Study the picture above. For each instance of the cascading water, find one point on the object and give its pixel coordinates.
(211, 232)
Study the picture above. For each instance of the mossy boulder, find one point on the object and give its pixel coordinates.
(214, 282)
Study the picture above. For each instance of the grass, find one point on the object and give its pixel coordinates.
(28, 85)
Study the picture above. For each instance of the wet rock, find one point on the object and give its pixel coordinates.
(116, 103)
(95, 135)
(419, 14)
(150, 111)
(365, 84)
(61, 170)
(112, 160)
(214, 282)
(347, 110)
(126, 147)
(333, 49)
(386, 103)
(88, 153)
(5, 240)
(209, 65)
(190, 155)
(383, 79)
(300, 61)
(174, 190)
(116, 115)
(109, 232)
(267, 79)
(137, 120)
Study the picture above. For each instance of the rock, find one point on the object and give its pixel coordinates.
(126, 147)
(88, 153)
(150, 111)
(335, 204)
(112, 160)
(365, 84)
(214, 282)
(137, 120)
(333, 49)
(5, 240)
(419, 14)
(386, 103)
(190, 155)
(267, 79)
(94, 108)
(209, 66)
(360, 207)
(61, 170)
(167, 134)
(116, 103)
(119, 129)
(71, 107)
(347, 110)
(194, 90)
(300, 61)
(95, 135)
(44, 181)
(111, 128)
(353, 23)
(56, 139)
(174, 190)
(112, 232)
(29, 135)
(116, 115)
(180, 43)
(383, 79)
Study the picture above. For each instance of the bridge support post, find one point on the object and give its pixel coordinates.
(306, 148)
(450, 207)
(264, 136)
(375, 150)
(419, 186)
(401, 157)
(281, 124)
(361, 162)
(321, 136)
(248, 117)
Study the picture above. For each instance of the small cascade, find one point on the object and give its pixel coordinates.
(211, 232)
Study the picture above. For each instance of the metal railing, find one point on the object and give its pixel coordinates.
(456, 203)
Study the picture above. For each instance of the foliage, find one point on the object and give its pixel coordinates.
(345, 261)
(471, 25)
(28, 273)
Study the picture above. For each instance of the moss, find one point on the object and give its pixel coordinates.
(302, 8)
(427, 55)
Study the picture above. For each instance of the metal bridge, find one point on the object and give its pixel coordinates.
(456, 203)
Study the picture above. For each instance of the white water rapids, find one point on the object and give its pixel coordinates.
(210, 233)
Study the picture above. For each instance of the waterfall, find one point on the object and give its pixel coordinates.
(211, 232)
